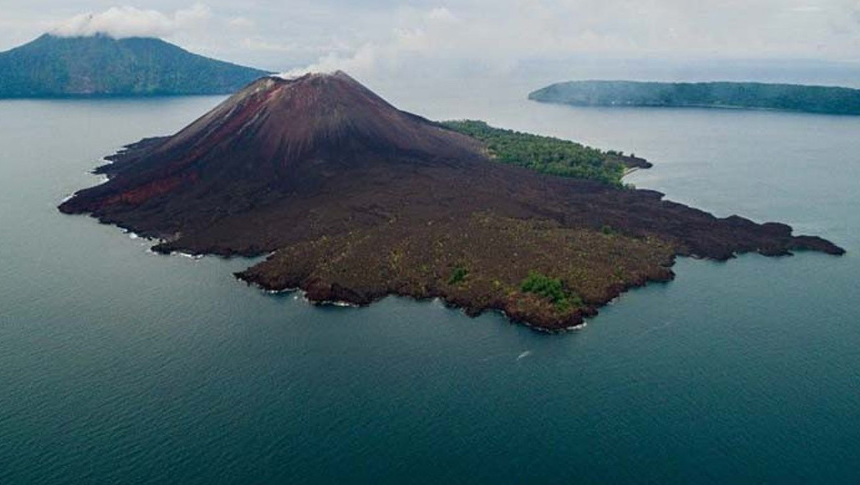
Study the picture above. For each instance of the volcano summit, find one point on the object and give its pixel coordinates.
(357, 200)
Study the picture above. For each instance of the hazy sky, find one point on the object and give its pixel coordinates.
(380, 37)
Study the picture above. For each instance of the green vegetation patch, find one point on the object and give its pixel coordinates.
(458, 275)
(544, 154)
(551, 289)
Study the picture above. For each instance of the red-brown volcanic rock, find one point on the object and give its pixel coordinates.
(290, 165)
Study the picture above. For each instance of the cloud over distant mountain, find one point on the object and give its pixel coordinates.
(121, 22)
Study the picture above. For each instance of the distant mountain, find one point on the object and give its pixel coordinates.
(99, 65)
(786, 97)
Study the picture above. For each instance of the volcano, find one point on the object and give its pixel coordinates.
(356, 200)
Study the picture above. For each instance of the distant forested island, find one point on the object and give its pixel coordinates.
(747, 95)
(99, 65)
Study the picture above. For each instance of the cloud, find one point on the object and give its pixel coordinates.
(259, 44)
(241, 23)
(413, 35)
(126, 21)
(442, 14)
(498, 35)
(490, 40)
(383, 38)
(806, 9)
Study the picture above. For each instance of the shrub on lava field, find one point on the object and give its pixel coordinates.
(550, 288)
(458, 275)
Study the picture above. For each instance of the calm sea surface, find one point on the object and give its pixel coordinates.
(120, 366)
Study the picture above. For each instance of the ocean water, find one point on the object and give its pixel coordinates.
(121, 366)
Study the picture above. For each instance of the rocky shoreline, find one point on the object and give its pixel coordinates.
(323, 295)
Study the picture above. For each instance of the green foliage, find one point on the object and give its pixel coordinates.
(543, 153)
(551, 289)
(789, 97)
(458, 275)
(544, 286)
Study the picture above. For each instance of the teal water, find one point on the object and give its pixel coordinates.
(120, 366)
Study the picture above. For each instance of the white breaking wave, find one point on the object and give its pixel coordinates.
(187, 255)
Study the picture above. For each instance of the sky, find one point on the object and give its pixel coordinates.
(378, 38)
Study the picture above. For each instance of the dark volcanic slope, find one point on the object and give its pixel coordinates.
(360, 200)
(287, 150)
(99, 65)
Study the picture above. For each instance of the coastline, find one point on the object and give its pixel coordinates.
(321, 290)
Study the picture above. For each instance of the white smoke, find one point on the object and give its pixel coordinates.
(362, 60)
(419, 38)
(122, 22)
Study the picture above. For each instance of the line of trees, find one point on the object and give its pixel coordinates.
(544, 154)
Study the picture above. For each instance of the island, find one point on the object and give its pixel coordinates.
(352, 200)
(744, 95)
(98, 65)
